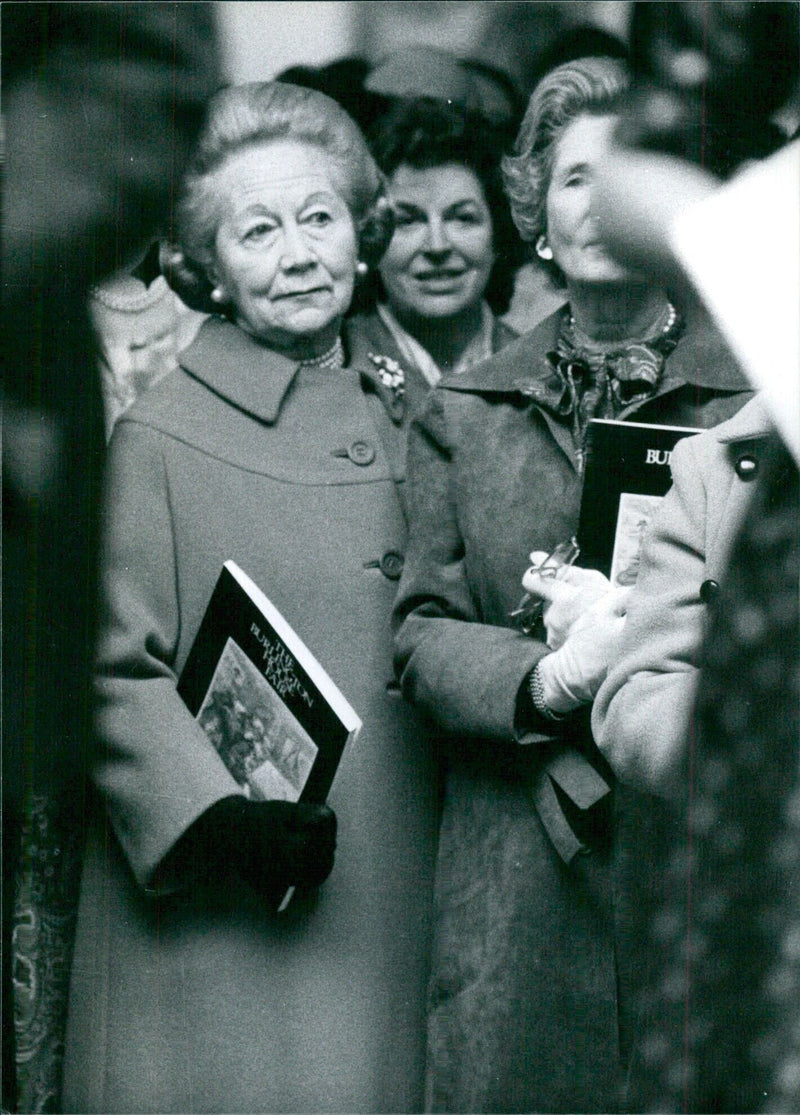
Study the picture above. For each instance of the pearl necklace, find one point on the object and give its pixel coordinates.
(333, 359)
(672, 317)
(664, 331)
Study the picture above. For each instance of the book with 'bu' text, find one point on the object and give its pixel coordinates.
(626, 474)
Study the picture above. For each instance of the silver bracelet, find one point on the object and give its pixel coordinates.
(536, 690)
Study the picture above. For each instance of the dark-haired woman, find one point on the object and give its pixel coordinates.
(449, 268)
(271, 444)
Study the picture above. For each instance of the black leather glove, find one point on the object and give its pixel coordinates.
(272, 845)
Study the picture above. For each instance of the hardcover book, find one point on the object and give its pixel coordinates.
(627, 472)
(277, 720)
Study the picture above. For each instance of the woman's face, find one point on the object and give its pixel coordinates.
(571, 230)
(285, 250)
(441, 253)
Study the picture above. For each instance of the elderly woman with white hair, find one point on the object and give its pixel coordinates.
(524, 1009)
(276, 444)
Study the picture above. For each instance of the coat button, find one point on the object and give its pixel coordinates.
(746, 467)
(361, 453)
(709, 590)
(391, 565)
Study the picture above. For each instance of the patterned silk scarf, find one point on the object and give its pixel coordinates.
(587, 382)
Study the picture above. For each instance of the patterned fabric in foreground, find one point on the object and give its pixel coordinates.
(44, 928)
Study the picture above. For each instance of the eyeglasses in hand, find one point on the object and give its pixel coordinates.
(529, 609)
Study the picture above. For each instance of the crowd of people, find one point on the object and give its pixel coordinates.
(557, 872)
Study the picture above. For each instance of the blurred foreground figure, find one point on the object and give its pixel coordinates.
(717, 1009)
(710, 878)
(709, 78)
(100, 101)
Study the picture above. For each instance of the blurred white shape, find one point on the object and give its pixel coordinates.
(741, 248)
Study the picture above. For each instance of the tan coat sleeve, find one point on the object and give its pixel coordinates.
(642, 715)
(155, 767)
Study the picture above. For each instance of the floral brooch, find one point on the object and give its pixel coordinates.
(392, 375)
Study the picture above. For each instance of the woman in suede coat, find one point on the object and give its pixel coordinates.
(523, 994)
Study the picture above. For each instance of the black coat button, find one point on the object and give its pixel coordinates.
(361, 453)
(709, 590)
(746, 467)
(391, 565)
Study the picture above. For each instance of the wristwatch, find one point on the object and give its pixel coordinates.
(536, 690)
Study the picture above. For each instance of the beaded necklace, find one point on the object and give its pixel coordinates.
(580, 339)
(333, 359)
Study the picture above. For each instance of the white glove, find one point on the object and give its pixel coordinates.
(571, 675)
(567, 596)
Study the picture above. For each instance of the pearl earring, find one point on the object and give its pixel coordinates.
(217, 295)
(362, 269)
(543, 249)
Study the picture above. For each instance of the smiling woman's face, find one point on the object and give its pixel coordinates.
(441, 254)
(571, 229)
(285, 251)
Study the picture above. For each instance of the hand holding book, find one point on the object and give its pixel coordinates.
(272, 845)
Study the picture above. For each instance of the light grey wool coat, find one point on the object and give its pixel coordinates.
(200, 1001)
(642, 715)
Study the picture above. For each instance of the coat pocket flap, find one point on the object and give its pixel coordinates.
(576, 776)
(565, 787)
(555, 824)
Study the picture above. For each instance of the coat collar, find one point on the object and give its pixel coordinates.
(502, 334)
(239, 369)
(700, 358)
(256, 379)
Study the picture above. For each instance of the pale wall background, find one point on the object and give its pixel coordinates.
(258, 40)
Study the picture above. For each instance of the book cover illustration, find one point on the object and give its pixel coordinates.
(633, 519)
(270, 710)
(627, 473)
(264, 747)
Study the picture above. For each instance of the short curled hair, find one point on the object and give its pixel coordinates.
(586, 86)
(422, 133)
(242, 116)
